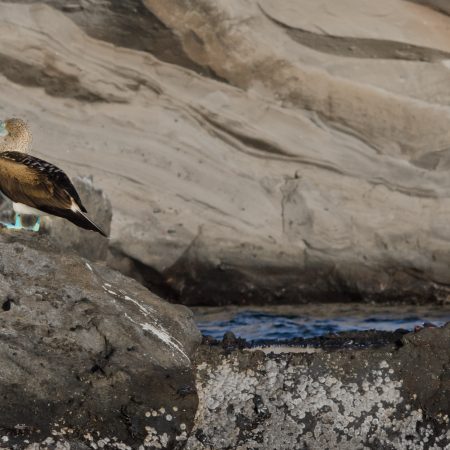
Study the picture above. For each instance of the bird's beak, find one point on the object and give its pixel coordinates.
(3, 130)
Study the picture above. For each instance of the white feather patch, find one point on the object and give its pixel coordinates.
(20, 208)
(74, 207)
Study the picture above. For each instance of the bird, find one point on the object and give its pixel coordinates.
(36, 187)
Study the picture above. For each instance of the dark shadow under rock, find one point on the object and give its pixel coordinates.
(147, 276)
(54, 83)
(199, 279)
(127, 23)
(202, 277)
(365, 48)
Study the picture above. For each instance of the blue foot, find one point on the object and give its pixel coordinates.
(14, 226)
(10, 226)
(18, 224)
(37, 225)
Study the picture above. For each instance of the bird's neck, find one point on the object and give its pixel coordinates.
(16, 143)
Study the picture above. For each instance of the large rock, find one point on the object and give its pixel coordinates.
(318, 171)
(393, 397)
(89, 357)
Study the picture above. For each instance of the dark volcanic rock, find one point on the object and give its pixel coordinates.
(348, 339)
(87, 355)
(394, 397)
(199, 279)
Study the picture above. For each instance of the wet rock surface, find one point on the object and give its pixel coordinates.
(89, 357)
(392, 397)
(332, 341)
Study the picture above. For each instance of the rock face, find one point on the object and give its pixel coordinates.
(89, 357)
(394, 397)
(291, 151)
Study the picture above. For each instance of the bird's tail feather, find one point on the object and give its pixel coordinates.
(81, 219)
(88, 224)
(77, 217)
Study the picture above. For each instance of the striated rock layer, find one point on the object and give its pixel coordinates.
(281, 151)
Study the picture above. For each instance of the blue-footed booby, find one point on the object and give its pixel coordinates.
(36, 187)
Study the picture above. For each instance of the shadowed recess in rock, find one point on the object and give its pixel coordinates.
(131, 25)
(360, 47)
(55, 83)
(442, 6)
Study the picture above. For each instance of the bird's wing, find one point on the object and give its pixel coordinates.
(36, 183)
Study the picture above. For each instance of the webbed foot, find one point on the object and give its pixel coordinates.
(37, 225)
(19, 226)
(14, 226)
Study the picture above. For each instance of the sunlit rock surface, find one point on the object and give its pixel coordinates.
(89, 358)
(394, 397)
(271, 151)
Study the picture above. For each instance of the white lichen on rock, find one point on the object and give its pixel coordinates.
(285, 402)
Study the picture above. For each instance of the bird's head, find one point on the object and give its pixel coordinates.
(16, 135)
(3, 131)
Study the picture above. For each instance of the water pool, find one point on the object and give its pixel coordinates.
(280, 323)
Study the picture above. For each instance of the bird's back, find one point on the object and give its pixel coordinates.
(41, 185)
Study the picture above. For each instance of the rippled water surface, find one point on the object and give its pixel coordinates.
(287, 322)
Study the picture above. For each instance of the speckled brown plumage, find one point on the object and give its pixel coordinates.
(19, 138)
